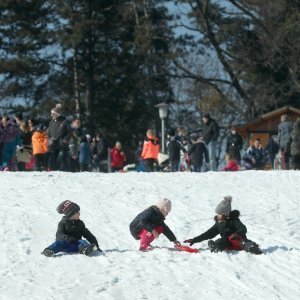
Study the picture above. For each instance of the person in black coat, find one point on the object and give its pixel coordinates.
(174, 146)
(70, 232)
(234, 144)
(230, 228)
(210, 133)
(196, 153)
(58, 148)
(149, 224)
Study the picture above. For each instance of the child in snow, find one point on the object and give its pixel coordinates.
(232, 231)
(231, 163)
(149, 224)
(70, 231)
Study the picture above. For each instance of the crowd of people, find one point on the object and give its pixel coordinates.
(61, 145)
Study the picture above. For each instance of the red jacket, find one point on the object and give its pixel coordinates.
(117, 158)
(231, 165)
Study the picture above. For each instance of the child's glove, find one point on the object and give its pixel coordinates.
(177, 243)
(98, 249)
(190, 241)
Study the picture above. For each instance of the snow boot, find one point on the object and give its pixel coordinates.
(48, 252)
(88, 250)
(212, 246)
(252, 248)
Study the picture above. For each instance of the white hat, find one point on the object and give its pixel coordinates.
(164, 204)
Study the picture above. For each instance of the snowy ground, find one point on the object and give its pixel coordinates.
(268, 201)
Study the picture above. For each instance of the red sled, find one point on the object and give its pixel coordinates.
(236, 243)
(186, 249)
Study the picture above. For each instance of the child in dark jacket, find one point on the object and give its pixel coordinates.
(232, 231)
(70, 232)
(149, 224)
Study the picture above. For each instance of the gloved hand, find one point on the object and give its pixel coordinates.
(235, 236)
(98, 249)
(190, 241)
(177, 243)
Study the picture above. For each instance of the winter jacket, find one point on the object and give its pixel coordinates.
(39, 142)
(9, 133)
(102, 146)
(294, 141)
(234, 145)
(58, 129)
(231, 165)
(174, 147)
(149, 219)
(117, 158)
(231, 225)
(272, 148)
(73, 230)
(210, 131)
(196, 153)
(257, 154)
(73, 140)
(85, 153)
(150, 148)
(284, 131)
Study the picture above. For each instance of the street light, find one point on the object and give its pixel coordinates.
(163, 113)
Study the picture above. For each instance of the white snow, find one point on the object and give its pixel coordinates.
(269, 205)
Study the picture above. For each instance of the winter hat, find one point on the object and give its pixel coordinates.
(206, 115)
(171, 132)
(164, 204)
(68, 208)
(57, 109)
(224, 207)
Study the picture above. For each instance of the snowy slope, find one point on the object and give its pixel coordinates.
(268, 201)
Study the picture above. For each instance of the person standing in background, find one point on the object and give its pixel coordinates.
(284, 131)
(210, 133)
(150, 151)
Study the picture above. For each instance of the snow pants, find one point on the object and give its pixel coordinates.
(63, 246)
(147, 237)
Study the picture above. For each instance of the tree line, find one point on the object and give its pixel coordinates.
(110, 62)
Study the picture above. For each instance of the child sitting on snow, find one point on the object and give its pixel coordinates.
(70, 231)
(149, 224)
(232, 231)
(231, 163)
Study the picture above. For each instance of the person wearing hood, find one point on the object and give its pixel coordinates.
(70, 232)
(230, 228)
(150, 223)
(174, 147)
(196, 153)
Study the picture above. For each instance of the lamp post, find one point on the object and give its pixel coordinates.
(163, 113)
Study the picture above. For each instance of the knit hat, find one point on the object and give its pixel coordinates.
(224, 207)
(57, 109)
(206, 115)
(68, 208)
(171, 132)
(164, 204)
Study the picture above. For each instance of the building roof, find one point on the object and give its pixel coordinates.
(269, 115)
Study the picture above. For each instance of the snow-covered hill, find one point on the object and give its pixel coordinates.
(269, 205)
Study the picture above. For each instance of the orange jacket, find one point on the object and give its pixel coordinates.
(150, 148)
(39, 143)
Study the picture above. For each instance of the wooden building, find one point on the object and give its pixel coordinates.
(266, 125)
